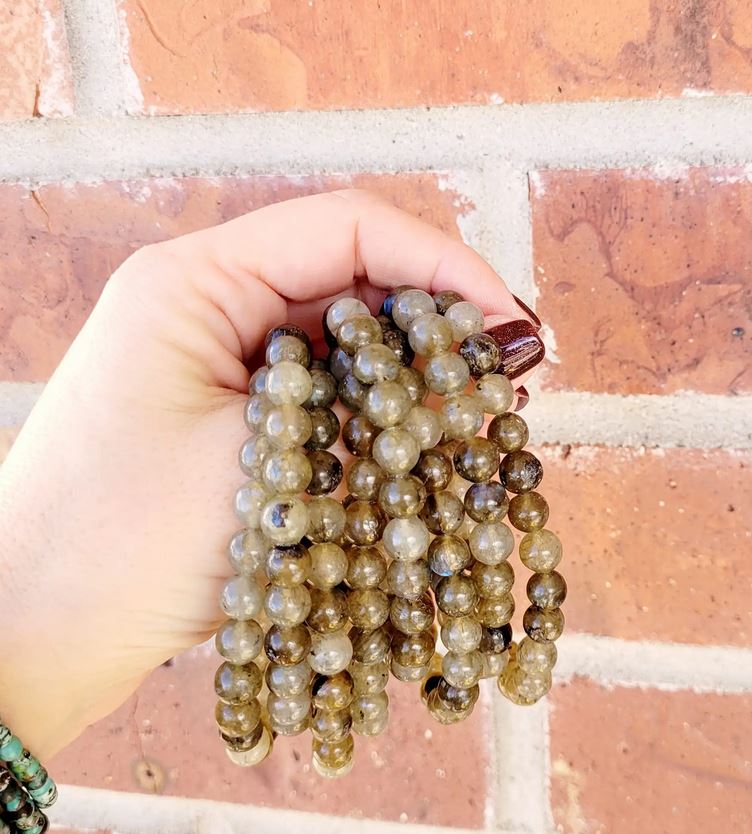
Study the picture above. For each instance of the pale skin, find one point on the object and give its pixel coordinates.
(116, 499)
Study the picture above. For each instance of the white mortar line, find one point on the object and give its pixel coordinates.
(667, 666)
(96, 57)
(674, 132)
(16, 401)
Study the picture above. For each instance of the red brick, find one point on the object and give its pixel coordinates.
(417, 771)
(60, 243)
(674, 763)
(223, 56)
(656, 543)
(646, 282)
(35, 77)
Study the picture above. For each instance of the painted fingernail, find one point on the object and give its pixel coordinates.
(519, 345)
(523, 398)
(521, 304)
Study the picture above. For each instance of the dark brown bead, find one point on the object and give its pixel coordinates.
(240, 744)
(528, 511)
(448, 555)
(520, 347)
(435, 470)
(352, 392)
(323, 389)
(358, 435)
(486, 501)
(340, 364)
(443, 512)
(445, 299)
(481, 353)
(332, 692)
(520, 471)
(288, 565)
(458, 699)
(402, 496)
(287, 646)
(543, 626)
(328, 610)
(476, 459)
(368, 608)
(367, 567)
(496, 640)
(287, 329)
(547, 590)
(523, 398)
(397, 342)
(364, 478)
(508, 431)
(364, 522)
(413, 649)
(325, 428)
(237, 684)
(371, 646)
(456, 595)
(327, 473)
(237, 719)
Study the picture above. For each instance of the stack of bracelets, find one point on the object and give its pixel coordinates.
(347, 590)
(25, 788)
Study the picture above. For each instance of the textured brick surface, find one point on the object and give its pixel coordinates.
(34, 66)
(656, 543)
(645, 281)
(231, 55)
(626, 760)
(164, 740)
(59, 243)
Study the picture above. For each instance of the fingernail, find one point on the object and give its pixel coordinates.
(521, 304)
(523, 398)
(520, 347)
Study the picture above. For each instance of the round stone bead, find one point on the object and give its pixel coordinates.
(368, 608)
(331, 725)
(540, 551)
(396, 451)
(364, 479)
(494, 664)
(402, 496)
(482, 354)
(352, 392)
(247, 551)
(375, 363)
(327, 772)
(369, 711)
(358, 435)
(409, 674)
(458, 699)
(342, 309)
(461, 634)
(387, 404)
(326, 473)
(413, 649)
(324, 428)
(323, 389)
(465, 318)
(328, 610)
(326, 519)
(286, 329)
(287, 646)
(254, 756)
(520, 471)
(496, 639)
(495, 393)
(340, 365)
(444, 300)
(253, 453)
(509, 432)
(329, 565)
(456, 595)
(287, 606)
(288, 710)
(543, 626)
(287, 348)
(409, 305)
(406, 539)
(284, 520)
(462, 670)
(476, 459)
(279, 729)
(287, 426)
(288, 383)
(334, 754)
(364, 522)
(528, 511)
(492, 581)
(239, 641)
(491, 542)
(434, 468)
(443, 512)
(412, 381)
(237, 719)
(332, 692)
(411, 615)
(239, 684)
(536, 657)
(388, 302)
(357, 332)
(442, 713)
(424, 424)
(330, 653)
(408, 579)
(242, 598)
(287, 471)
(288, 681)
(486, 501)
(370, 646)
(461, 417)
(257, 384)
(521, 687)
(367, 567)
(446, 373)
(430, 334)
(496, 612)
(249, 502)
(448, 555)
(369, 678)
(547, 590)
(256, 409)
(397, 342)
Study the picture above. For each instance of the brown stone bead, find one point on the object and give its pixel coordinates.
(508, 431)
(413, 649)
(332, 692)
(237, 720)
(388, 302)
(408, 579)
(445, 299)
(242, 743)
(540, 551)
(435, 470)
(412, 615)
(455, 698)
(352, 392)
(364, 478)
(486, 501)
(367, 567)
(324, 388)
(528, 511)
(326, 519)
(288, 348)
(412, 381)
(289, 730)
(481, 352)
(364, 522)
(328, 610)
(368, 608)
(340, 364)
(398, 343)
(443, 512)
(288, 565)
(371, 646)
(358, 331)
(402, 496)
(543, 626)
(456, 595)
(494, 613)
(547, 590)
(286, 329)
(476, 459)
(325, 428)
(236, 684)
(287, 646)
(369, 678)
(358, 435)
(520, 471)
(330, 725)
(496, 640)
(326, 471)
(448, 555)
(334, 753)
(492, 581)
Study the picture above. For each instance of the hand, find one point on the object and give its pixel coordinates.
(116, 499)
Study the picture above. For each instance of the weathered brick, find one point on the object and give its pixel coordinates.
(59, 243)
(213, 56)
(646, 282)
(625, 760)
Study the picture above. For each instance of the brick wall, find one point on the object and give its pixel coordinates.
(600, 156)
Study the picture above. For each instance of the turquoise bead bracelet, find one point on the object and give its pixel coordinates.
(18, 811)
(26, 768)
